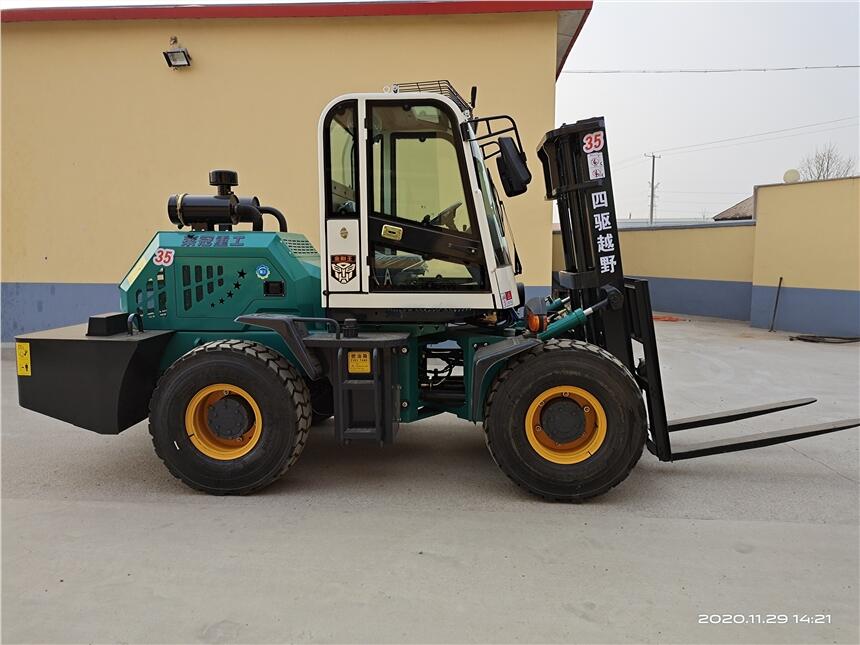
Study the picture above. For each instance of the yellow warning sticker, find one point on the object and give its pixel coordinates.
(358, 362)
(22, 357)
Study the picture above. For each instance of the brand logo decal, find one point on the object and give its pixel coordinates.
(262, 272)
(198, 240)
(343, 268)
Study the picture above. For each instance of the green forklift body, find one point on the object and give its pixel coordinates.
(185, 289)
(204, 280)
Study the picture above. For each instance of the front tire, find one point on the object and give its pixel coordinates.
(230, 417)
(566, 421)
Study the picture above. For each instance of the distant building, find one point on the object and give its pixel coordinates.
(742, 210)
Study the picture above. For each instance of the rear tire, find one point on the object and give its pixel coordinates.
(594, 435)
(266, 405)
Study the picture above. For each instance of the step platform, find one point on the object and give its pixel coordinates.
(365, 382)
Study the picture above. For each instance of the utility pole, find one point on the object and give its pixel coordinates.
(653, 161)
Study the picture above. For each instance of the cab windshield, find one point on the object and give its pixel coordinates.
(492, 208)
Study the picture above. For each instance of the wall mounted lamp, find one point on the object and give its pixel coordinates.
(177, 57)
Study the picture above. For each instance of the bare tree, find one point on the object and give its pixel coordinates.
(826, 163)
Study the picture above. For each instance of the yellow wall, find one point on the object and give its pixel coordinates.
(693, 253)
(809, 233)
(698, 253)
(97, 131)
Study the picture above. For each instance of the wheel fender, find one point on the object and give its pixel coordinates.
(488, 357)
(293, 332)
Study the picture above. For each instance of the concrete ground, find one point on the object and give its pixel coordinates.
(427, 541)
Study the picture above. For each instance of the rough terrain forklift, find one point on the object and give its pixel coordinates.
(235, 341)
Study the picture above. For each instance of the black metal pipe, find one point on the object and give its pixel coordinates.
(775, 304)
(248, 211)
(225, 210)
(278, 215)
(202, 210)
(135, 318)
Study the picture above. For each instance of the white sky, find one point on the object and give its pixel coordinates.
(650, 112)
(646, 112)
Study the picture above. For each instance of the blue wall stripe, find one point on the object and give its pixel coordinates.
(33, 306)
(827, 312)
(536, 292)
(718, 298)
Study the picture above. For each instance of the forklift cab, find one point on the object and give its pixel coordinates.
(410, 217)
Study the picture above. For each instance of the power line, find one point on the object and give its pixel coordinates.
(644, 199)
(704, 192)
(707, 71)
(683, 211)
(747, 143)
(630, 162)
(758, 134)
(691, 201)
(627, 160)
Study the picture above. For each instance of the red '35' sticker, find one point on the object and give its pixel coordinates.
(592, 142)
(163, 257)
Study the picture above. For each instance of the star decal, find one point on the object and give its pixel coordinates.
(220, 301)
(229, 294)
(236, 285)
(241, 273)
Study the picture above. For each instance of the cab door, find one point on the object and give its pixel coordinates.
(423, 235)
(341, 263)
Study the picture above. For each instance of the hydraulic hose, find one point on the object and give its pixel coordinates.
(278, 215)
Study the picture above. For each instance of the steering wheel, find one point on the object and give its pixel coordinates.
(445, 217)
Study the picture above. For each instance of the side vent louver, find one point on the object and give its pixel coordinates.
(301, 248)
(154, 302)
(195, 291)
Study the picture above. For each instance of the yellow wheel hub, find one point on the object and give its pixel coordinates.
(205, 439)
(581, 448)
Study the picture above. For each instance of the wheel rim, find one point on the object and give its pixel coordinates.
(581, 448)
(205, 439)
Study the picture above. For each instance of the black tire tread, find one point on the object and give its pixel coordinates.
(293, 383)
(557, 344)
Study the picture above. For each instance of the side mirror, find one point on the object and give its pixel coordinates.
(512, 168)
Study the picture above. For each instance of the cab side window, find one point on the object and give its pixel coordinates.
(416, 173)
(341, 160)
(418, 177)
